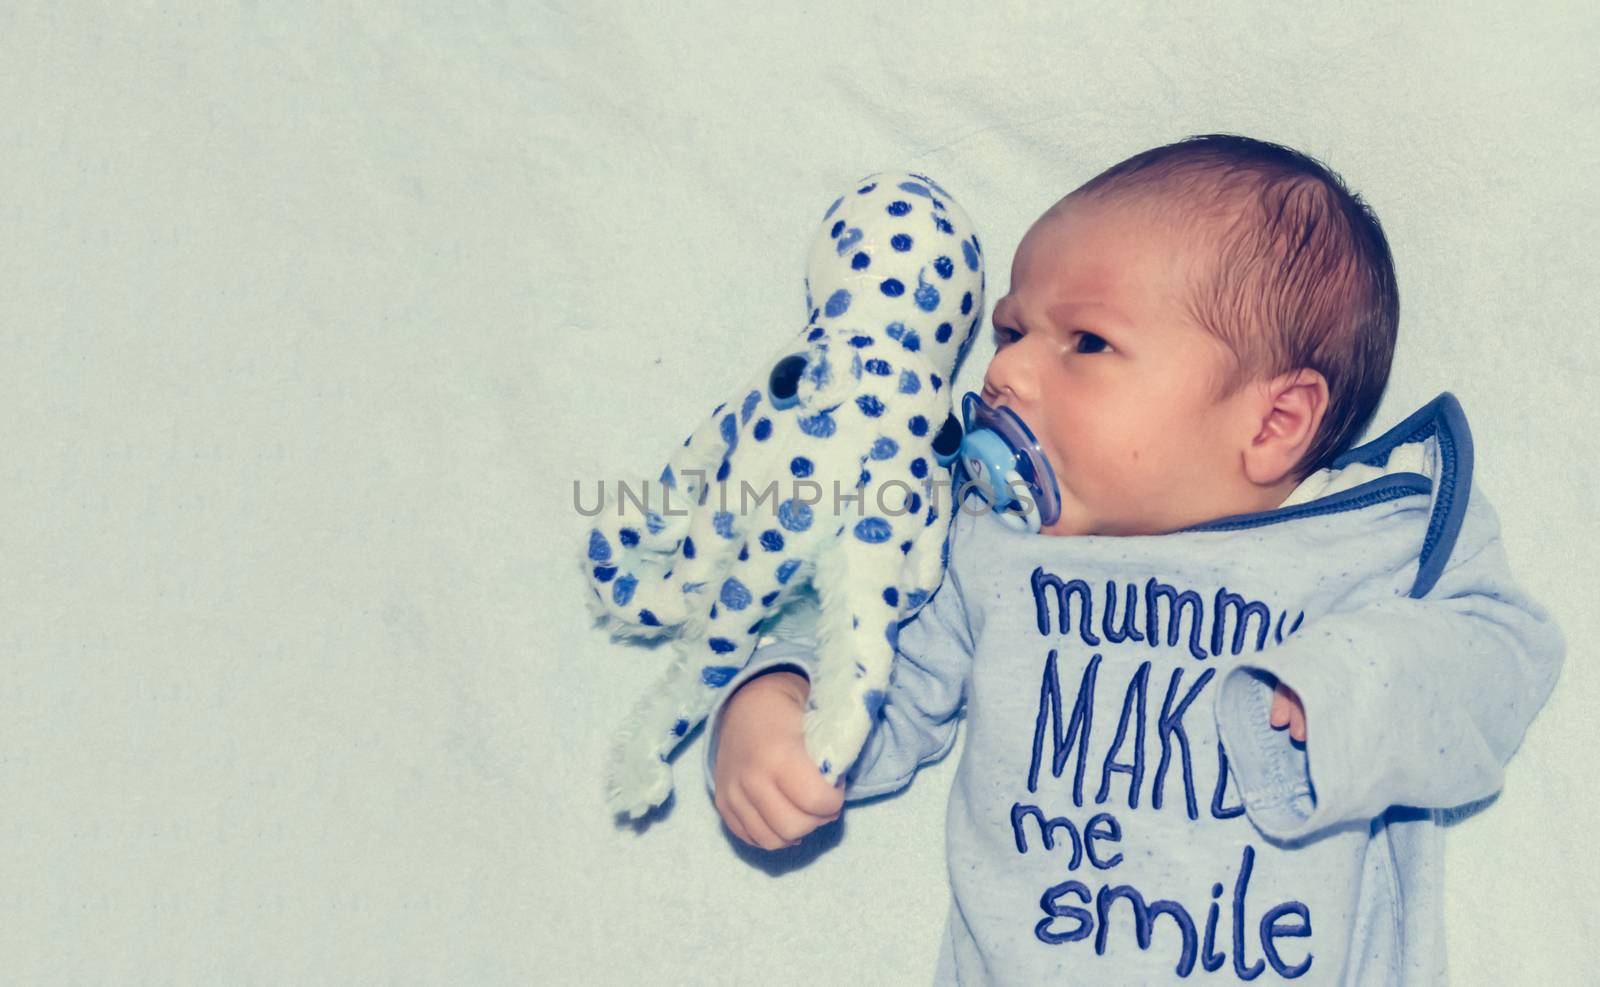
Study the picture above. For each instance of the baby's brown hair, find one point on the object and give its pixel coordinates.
(1302, 276)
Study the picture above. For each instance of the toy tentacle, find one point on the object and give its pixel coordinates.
(717, 645)
(925, 563)
(855, 642)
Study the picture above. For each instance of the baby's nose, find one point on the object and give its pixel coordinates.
(1003, 392)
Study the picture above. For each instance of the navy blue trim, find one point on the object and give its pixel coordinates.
(1375, 491)
(1441, 419)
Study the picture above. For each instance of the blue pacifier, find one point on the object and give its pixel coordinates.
(1004, 465)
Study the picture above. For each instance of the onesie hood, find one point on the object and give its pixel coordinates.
(1430, 452)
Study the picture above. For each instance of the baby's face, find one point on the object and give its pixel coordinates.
(1098, 356)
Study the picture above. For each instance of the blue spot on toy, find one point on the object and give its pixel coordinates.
(734, 594)
(874, 698)
(873, 530)
(818, 426)
(794, 515)
(622, 590)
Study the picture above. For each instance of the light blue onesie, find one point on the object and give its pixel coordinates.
(1123, 813)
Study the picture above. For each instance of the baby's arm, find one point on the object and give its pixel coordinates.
(1417, 702)
(917, 726)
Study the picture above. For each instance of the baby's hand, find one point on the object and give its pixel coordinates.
(767, 790)
(1286, 712)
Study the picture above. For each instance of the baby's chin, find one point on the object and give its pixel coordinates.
(1073, 522)
(1077, 522)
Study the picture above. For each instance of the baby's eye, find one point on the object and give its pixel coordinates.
(1088, 342)
(1004, 335)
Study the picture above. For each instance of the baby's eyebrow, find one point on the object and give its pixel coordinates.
(1003, 311)
(1060, 314)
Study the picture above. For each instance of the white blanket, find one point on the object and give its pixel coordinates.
(311, 316)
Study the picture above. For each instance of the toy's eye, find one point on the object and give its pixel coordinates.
(784, 384)
(948, 442)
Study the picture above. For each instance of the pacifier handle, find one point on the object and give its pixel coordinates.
(1028, 522)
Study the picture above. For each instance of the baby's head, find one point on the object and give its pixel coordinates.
(1194, 331)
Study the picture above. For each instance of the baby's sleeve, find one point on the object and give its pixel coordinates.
(1416, 702)
(917, 723)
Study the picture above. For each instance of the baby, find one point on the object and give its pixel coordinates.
(1195, 727)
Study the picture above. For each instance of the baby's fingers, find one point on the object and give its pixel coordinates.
(1287, 712)
(805, 787)
(787, 819)
(1279, 717)
(748, 824)
(1297, 721)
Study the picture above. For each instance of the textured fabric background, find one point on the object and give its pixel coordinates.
(310, 316)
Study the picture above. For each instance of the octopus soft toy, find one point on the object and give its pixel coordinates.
(830, 469)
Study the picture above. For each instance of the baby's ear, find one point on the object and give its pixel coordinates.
(1286, 417)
